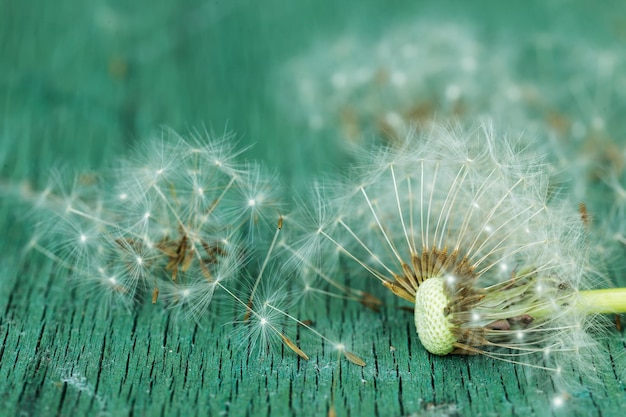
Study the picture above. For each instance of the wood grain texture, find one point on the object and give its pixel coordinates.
(62, 355)
(79, 91)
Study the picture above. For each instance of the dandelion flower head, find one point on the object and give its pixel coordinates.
(469, 226)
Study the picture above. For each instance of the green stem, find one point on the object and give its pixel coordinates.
(605, 301)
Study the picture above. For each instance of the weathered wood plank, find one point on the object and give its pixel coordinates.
(61, 355)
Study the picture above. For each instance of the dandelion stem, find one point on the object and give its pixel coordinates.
(604, 301)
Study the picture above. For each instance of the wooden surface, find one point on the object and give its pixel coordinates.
(61, 355)
(82, 83)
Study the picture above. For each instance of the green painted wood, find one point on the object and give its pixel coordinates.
(65, 98)
(61, 354)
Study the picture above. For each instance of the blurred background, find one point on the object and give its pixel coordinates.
(297, 78)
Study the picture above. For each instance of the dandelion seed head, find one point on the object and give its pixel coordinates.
(168, 220)
(471, 211)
